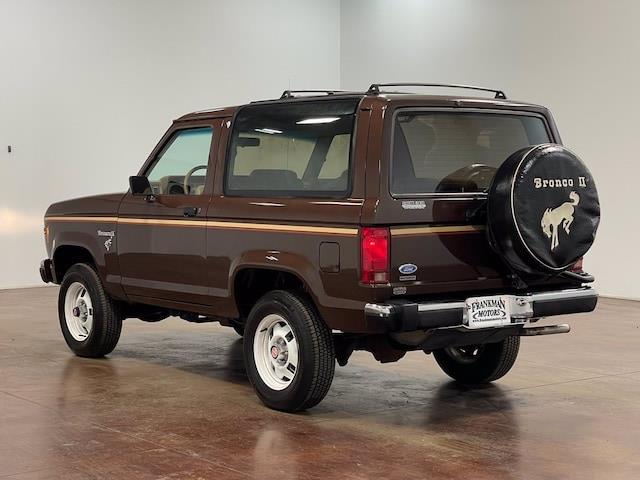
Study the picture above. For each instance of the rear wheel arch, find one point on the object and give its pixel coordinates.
(252, 282)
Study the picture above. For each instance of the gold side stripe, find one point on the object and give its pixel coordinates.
(283, 228)
(213, 224)
(437, 230)
(70, 218)
(159, 221)
(267, 226)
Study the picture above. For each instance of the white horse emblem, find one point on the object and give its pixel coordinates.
(553, 218)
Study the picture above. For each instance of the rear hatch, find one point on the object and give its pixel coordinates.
(442, 163)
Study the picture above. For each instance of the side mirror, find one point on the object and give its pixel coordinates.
(140, 185)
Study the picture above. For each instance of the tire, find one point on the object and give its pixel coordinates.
(543, 210)
(491, 362)
(93, 330)
(286, 325)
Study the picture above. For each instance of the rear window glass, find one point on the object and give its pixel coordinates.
(443, 152)
(296, 149)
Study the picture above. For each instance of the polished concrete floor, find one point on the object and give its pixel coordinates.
(172, 401)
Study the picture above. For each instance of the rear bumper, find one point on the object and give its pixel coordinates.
(46, 271)
(405, 316)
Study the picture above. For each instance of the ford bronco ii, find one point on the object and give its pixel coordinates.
(325, 222)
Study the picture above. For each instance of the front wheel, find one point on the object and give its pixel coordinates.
(90, 321)
(288, 352)
(477, 364)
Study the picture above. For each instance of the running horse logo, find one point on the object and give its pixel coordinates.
(562, 216)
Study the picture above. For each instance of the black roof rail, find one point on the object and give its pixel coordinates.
(291, 93)
(374, 89)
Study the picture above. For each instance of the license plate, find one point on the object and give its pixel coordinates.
(485, 312)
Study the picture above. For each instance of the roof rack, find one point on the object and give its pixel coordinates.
(291, 93)
(374, 89)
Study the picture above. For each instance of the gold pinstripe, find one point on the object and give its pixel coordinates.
(437, 230)
(212, 224)
(284, 228)
(164, 222)
(271, 227)
(71, 218)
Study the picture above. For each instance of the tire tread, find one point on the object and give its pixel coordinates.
(498, 359)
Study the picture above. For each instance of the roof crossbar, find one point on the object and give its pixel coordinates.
(375, 88)
(291, 93)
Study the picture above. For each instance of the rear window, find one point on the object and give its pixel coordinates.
(444, 152)
(295, 149)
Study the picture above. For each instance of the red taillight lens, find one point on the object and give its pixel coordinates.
(577, 267)
(375, 255)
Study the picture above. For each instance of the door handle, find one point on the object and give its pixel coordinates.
(191, 211)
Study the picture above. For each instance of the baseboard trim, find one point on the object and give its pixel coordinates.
(617, 297)
(23, 287)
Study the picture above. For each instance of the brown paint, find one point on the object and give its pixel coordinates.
(159, 257)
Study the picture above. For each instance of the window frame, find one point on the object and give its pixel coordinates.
(427, 110)
(167, 141)
(281, 194)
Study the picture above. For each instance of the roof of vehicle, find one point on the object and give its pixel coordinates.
(377, 94)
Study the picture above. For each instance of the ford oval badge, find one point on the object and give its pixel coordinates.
(407, 268)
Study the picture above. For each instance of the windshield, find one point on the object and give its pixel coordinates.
(446, 152)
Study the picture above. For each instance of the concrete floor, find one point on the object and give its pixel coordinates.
(172, 401)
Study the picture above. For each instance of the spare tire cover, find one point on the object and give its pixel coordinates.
(543, 209)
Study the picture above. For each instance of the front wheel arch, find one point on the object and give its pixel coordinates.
(65, 256)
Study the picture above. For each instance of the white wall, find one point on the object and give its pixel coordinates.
(88, 87)
(578, 57)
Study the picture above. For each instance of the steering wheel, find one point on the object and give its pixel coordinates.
(187, 178)
(472, 178)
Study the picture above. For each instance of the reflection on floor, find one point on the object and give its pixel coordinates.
(172, 401)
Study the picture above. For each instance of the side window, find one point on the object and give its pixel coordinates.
(294, 149)
(181, 167)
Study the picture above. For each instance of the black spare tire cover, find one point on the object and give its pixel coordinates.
(543, 209)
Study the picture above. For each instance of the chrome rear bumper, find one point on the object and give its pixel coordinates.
(404, 315)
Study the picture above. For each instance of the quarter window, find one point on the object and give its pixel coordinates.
(296, 149)
(181, 167)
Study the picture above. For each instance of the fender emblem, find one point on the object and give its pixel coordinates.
(109, 241)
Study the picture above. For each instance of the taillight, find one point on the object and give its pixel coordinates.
(374, 246)
(577, 267)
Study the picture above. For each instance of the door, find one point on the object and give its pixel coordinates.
(162, 237)
(442, 163)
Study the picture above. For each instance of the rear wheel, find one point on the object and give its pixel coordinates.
(90, 321)
(288, 352)
(476, 364)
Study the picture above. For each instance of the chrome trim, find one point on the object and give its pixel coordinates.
(378, 310)
(430, 307)
(564, 294)
(545, 330)
(522, 305)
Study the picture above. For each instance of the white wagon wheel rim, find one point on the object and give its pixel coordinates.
(275, 352)
(78, 311)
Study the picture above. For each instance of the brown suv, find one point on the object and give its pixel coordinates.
(325, 222)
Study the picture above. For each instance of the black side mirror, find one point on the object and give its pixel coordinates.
(140, 185)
